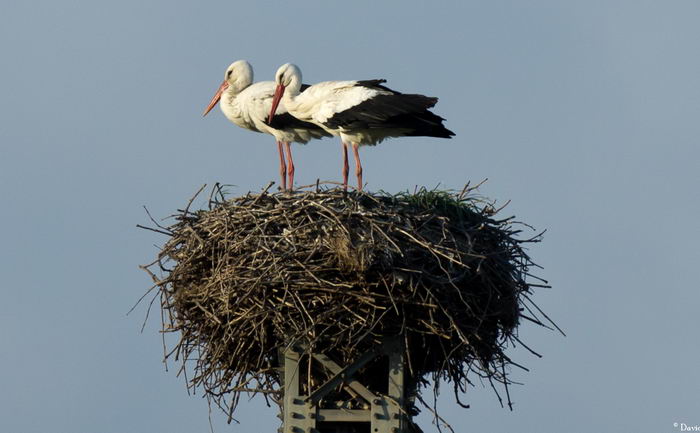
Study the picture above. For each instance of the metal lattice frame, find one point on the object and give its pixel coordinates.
(386, 413)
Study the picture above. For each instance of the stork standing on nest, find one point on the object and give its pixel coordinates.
(360, 112)
(247, 104)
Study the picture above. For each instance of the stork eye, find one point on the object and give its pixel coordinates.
(228, 74)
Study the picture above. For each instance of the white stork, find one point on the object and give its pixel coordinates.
(360, 112)
(247, 105)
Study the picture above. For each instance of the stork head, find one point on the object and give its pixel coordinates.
(287, 73)
(287, 76)
(237, 77)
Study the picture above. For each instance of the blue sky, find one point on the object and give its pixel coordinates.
(584, 114)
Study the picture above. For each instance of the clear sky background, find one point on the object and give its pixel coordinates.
(585, 114)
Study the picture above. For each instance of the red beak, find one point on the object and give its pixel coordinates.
(279, 92)
(216, 97)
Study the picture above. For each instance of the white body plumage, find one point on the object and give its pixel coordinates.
(247, 105)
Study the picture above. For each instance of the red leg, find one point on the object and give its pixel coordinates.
(290, 166)
(358, 166)
(283, 167)
(346, 167)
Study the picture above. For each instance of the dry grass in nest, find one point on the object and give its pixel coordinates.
(338, 271)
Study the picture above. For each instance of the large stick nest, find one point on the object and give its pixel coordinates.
(338, 272)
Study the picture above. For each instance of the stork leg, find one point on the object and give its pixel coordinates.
(358, 166)
(283, 167)
(290, 166)
(346, 167)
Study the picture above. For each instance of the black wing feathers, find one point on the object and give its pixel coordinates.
(377, 84)
(285, 121)
(407, 112)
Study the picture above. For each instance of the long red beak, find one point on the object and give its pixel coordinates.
(279, 92)
(216, 97)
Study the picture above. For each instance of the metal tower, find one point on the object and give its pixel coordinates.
(322, 411)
